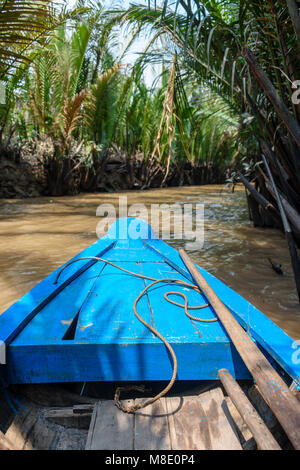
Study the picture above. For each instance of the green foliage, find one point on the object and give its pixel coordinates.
(209, 37)
(100, 108)
(75, 88)
(22, 24)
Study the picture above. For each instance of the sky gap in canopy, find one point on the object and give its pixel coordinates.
(152, 71)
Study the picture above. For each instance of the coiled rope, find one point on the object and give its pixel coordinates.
(150, 401)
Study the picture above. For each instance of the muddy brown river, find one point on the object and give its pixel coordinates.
(38, 235)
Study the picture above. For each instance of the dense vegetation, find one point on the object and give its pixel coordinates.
(247, 52)
(76, 98)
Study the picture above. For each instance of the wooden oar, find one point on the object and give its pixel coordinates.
(283, 403)
(263, 437)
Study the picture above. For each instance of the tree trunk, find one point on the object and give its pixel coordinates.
(264, 81)
(294, 13)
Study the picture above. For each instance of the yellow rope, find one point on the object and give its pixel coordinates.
(186, 307)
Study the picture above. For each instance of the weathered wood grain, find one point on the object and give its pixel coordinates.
(261, 433)
(173, 423)
(152, 427)
(189, 428)
(71, 417)
(222, 431)
(110, 428)
(245, 436)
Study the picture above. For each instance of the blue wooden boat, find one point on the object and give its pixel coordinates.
(78, 325)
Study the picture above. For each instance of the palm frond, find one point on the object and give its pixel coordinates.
(22, 24)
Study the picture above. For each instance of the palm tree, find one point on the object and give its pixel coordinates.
(213, 40)
(77, 96)
(22, 25)
(63, 102)
(248, 53)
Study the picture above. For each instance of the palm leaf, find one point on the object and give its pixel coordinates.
(22, 24)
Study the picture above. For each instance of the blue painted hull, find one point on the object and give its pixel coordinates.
(84, 329)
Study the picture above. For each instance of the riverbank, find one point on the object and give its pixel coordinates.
(29, 171)
(37, 235)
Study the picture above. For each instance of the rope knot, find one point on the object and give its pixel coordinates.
(129, 409)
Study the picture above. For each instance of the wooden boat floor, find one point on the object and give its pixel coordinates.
(200, 422)
(55, 418)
